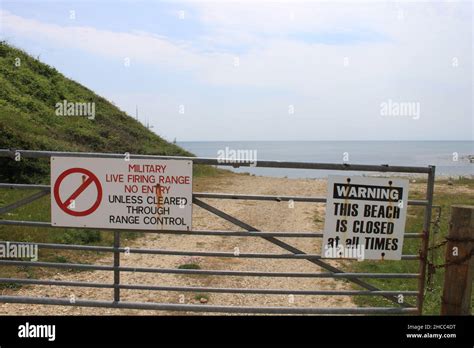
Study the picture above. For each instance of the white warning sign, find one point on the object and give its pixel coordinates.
(365, 218)
(122, 193)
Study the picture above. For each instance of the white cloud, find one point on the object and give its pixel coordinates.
(279, 52)
(141, 47)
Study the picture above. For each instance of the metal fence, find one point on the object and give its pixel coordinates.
(291, 252)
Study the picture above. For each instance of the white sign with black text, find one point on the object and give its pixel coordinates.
(365, 218)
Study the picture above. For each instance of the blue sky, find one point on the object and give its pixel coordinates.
(239, 67)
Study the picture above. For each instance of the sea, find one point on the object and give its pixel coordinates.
(451, 158)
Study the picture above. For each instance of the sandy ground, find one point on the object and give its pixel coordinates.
(267, 216)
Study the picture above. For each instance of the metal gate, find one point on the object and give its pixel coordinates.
(291, 252)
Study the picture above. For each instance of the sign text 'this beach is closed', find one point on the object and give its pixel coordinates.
(365, 218)
(119, 193)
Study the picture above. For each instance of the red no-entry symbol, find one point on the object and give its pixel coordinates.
(89, 178)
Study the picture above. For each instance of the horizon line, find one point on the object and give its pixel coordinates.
(394, 140)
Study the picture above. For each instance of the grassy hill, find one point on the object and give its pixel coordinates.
(29, 92)
(28, 95)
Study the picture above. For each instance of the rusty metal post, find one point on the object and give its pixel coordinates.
(425, 239)
(459, 262)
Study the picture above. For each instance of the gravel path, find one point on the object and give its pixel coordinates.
(268, 216)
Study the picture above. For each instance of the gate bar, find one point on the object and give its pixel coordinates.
(116, 266)
(306, 199)
(223, 162)
(23, 201)
(208, 308)
(417, 202)
(192, 232)
(209, 289)
(212, 272)
(118, 249)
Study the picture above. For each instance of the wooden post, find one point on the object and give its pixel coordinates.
(456, 298)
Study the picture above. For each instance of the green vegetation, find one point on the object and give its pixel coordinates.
(189, 266)
(203, 298)
(11, 286)
(444, 198)
(189, 262)
(29, 93)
